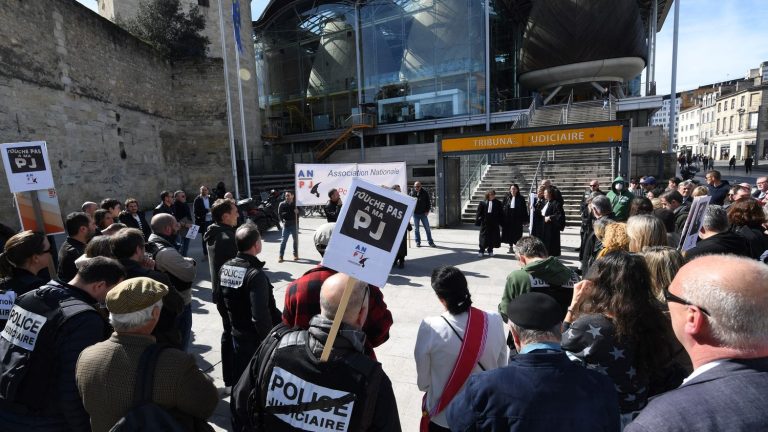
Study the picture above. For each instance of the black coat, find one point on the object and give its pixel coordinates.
(489, 224)
(550, 231)
(513, 219)
(127, 219)
(723, 243)
(198, 208)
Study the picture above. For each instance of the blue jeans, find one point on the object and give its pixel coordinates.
(289, 230)
(184, 323)
(421, 218)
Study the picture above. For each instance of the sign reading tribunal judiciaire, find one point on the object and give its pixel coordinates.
(587, 135)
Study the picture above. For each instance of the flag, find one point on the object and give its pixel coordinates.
(236, 23)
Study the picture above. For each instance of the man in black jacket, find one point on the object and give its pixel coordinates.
(672, 200)
(222, 247)
(201, 208)
(420, 213)
(47, 331)
(133, 218)
(166, 204)
(348, 375)
(80, 229)
(289, 215)
(248, 296)
(333, 207)
(715, 238)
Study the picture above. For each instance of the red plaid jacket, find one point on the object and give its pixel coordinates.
(302, 302)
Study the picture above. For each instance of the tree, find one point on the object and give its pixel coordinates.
(164, 25)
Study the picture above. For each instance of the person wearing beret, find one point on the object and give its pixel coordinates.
(540, 389)
(106, 372)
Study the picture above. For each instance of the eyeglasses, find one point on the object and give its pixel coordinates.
(669, 297)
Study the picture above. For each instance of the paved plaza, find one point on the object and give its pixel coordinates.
(408, 295)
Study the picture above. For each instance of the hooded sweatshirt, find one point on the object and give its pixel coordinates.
(547, 275)
(620, 200)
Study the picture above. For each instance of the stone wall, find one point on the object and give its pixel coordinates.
(119, 119)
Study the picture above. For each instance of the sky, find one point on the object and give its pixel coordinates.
(717, 41)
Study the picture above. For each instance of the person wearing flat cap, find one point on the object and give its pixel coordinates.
(106, 372)
(541, 389)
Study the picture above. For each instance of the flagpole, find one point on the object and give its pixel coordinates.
(229, 101)
(238, 47)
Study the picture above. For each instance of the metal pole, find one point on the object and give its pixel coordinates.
(650, 47)
(653, 53)
(487, 65)
(229, 100)
(673, 89)
(357, 54)
(246, 160)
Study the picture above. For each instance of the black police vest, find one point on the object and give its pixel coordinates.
(27, 346)
(155, 246)
(233, 275)
(294, 378)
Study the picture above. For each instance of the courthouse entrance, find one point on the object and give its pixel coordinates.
(497, 145)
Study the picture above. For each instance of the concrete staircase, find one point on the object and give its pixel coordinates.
(569, 170)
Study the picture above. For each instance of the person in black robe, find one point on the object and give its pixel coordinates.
(552, 218)
(537, 226)
(515, 215)
(488, 218)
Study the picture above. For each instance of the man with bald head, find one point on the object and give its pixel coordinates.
(348, 392)
(762, 189)
(718, 309)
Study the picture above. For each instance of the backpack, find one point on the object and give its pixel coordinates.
(146, 415)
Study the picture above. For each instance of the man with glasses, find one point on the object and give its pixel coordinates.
(762, 189)
(420, 213)
(717, 306)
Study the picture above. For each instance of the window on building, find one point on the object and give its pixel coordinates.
(718, 125)
(752, 98)
(752, 120)
(718, 107)
(725, 106)
(730, 125)
(205, 3)
(733, 102)
(742, 100)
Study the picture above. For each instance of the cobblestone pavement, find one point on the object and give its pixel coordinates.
(407, 294)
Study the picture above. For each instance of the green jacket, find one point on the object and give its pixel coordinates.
(545, 273)
(620, 200)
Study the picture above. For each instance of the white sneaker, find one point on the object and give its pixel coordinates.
(490, 254)
(480, 254)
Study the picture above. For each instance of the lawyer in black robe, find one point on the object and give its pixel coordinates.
(488, 218)
(515, 215)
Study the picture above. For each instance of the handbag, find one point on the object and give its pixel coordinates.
(472, 346)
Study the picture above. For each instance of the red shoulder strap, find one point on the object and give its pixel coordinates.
(471, 348)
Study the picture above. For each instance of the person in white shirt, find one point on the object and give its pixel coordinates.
(440, 338)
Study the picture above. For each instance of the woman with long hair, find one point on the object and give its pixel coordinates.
(645, 230)
(663, 263)
(746, 218)
(515, 215)
(441, 338)
(640, 205)
(26, 255)
(553, 217)
(615, 239)
(615, 326)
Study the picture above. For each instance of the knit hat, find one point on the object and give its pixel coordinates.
(323, 236)
(135, 294)
(535, 311)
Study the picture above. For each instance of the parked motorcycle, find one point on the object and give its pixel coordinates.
(262, 213)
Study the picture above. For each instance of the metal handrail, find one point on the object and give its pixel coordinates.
(474, 178)
(525, 118)
(536, 174)
(568, 107)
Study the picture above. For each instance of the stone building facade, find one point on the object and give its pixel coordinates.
(120, 121)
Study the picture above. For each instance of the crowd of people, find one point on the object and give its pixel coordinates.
(639, 337)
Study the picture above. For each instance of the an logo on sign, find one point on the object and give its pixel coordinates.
(306, 180)
(358, 256)
(23, 328)
(286, 388)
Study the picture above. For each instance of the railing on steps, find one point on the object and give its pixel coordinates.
(475, 167)
(536, 174)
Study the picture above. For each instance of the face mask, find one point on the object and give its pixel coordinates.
(619, 186)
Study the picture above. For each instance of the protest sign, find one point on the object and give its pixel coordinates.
(26, 166)
(371, 226)
(314, 181)
(690, 233)
(192, 233)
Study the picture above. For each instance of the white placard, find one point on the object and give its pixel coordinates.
(368, 233)
(23, 328)
(313, 181)
(192, 233)
(690, 233)
(26, 166)
(286, 388)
